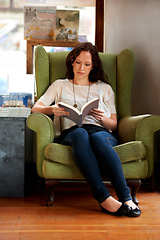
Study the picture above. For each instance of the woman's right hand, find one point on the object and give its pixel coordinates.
(49, 110)
(58, 111)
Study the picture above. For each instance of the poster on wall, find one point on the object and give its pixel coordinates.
(39, 22)
(67, 25)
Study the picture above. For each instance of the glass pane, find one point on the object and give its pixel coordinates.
(80, 3)
(4, 3)
(18, 3)
(12, 43)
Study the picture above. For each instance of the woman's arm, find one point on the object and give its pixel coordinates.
(108, 123)
(49, 110)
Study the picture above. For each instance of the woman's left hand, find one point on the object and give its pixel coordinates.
(109, 123)
(97, 114)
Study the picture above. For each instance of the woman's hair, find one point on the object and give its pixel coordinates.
(97, 72)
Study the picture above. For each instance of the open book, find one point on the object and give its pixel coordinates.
(76, 115)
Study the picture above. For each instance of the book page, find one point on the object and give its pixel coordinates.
(89, 106)
(69, 107)
(77, 116)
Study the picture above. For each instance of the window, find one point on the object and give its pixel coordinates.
(12, 43)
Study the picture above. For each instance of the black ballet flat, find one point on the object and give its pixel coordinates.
(134, 212)
(123, 210)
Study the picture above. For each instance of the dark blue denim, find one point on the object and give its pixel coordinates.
(94, 155)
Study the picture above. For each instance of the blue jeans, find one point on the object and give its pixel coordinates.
(94, 155)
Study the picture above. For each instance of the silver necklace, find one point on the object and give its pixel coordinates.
(75, 103)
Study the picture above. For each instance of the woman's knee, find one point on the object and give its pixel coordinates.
(80, 134)
(101, 138)
(80, 131)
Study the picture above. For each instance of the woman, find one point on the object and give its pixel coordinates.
(93, 143)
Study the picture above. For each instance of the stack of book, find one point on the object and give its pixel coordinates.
(17, 90)
(16, 100)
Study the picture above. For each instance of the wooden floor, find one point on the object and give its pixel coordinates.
(75, 216)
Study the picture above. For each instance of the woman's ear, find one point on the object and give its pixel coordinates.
(72, 62)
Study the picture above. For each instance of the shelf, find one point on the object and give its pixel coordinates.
(36, 42)
(32, 43)
(99, 34)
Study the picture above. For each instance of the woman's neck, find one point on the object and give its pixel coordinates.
(82, 82)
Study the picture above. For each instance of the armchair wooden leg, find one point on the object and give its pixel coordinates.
(49, 185)
(134, 185)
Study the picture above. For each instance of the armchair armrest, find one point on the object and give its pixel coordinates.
(127, 127)
(43, 126)
(141, 128)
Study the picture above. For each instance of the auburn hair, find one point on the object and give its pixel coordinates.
(97, 72)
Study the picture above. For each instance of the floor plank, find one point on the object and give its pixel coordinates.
(75, 215)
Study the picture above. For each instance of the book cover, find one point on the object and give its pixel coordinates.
(39, 22)
(76, 115)
(67, 25)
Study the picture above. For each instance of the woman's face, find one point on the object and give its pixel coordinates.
(82, 65)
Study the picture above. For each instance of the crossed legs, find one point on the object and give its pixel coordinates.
(95, 152)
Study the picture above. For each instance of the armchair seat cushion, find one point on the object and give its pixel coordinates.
(131, 151)
(128, 152)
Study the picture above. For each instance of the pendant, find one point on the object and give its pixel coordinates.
(75, 105)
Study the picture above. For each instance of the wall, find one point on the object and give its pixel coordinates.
(136, 24)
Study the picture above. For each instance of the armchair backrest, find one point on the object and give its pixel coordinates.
(50, 66)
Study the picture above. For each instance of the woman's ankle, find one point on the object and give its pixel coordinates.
(111, 204)
(131, 204)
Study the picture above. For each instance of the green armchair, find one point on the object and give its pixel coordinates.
(136, 133)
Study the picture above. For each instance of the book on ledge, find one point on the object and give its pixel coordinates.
(76, 115)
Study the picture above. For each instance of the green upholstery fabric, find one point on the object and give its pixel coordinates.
(58, 63)
(60, 171)
(128, 152)
(43, 126)
(136, 134)
(41, 71)
(59, 153)
(138, 170)
(125, 73)
(109, 64)
(141, 128)
(131, 151)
